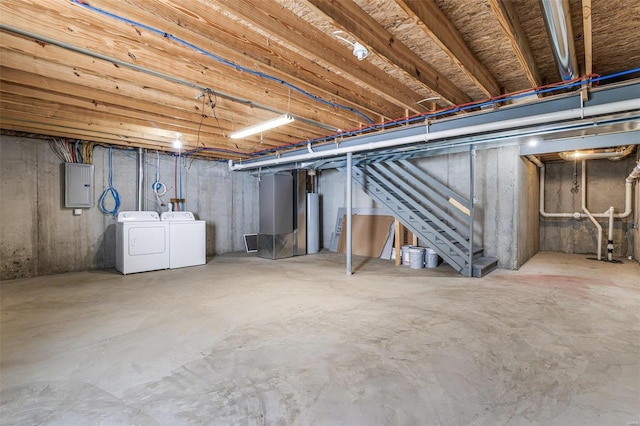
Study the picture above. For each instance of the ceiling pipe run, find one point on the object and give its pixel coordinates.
(616, 155)
(545, 118)
(557, 18)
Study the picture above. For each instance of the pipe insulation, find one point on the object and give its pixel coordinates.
(616, 155)
(546, 118)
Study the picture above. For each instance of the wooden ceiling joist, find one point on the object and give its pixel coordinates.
(510, 23)
(200, 70)
(348, 16)
(586, 29)
(435, 23)
(82, 70)
(223, 36)
(281, 23)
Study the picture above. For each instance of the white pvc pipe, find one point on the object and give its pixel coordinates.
(544, 213)
(610, 237)
(627, 200)
(535, 160)
(635, 173)
(450, 133)
(587, 212)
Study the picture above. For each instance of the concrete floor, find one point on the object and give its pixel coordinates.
(249, 341)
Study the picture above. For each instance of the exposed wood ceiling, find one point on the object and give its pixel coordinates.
(205, 68)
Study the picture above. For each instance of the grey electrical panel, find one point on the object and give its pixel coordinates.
(78, 185)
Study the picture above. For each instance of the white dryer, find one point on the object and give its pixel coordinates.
(187, 239)
(142, 242)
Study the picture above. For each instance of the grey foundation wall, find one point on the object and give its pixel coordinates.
(605, 188)
(38, 236)
(506, 221)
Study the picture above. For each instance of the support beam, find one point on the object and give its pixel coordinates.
(435, 23)
(588, 48)
(349, 184)
(508, 19)
(347, 15)
(586, 28)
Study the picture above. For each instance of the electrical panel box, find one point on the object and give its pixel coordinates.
(78, 185)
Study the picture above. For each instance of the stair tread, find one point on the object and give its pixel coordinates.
(483, 266)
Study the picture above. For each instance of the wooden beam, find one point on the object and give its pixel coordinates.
(157, 53)
(223, 36)
(349, 16)
(588, 48)
(277, 21)
(508, 19)
(428, 16)
(587, 34)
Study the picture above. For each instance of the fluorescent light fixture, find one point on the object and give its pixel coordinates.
(261, 127)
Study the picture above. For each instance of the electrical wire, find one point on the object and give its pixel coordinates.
(222, 60)
(110, 190)
(159, 188)
(72, 152)
(213, 105)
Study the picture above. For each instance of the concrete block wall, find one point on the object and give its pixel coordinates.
(605, 188)
(38, 236)
(506, 222)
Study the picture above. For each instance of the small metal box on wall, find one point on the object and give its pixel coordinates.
(78, 185)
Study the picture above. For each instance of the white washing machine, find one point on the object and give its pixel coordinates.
(142, 242)
(187, 239)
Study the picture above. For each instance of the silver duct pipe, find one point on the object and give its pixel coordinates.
(615, 155)
(557, 18)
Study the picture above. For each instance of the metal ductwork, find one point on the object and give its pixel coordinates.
(557, 18)
(594, 154)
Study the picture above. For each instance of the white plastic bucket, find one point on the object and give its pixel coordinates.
(431, 258)
(416, 257)
(404, 250)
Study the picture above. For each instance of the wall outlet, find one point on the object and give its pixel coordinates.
(77, 212)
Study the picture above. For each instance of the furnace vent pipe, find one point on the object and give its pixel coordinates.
(557, 18)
